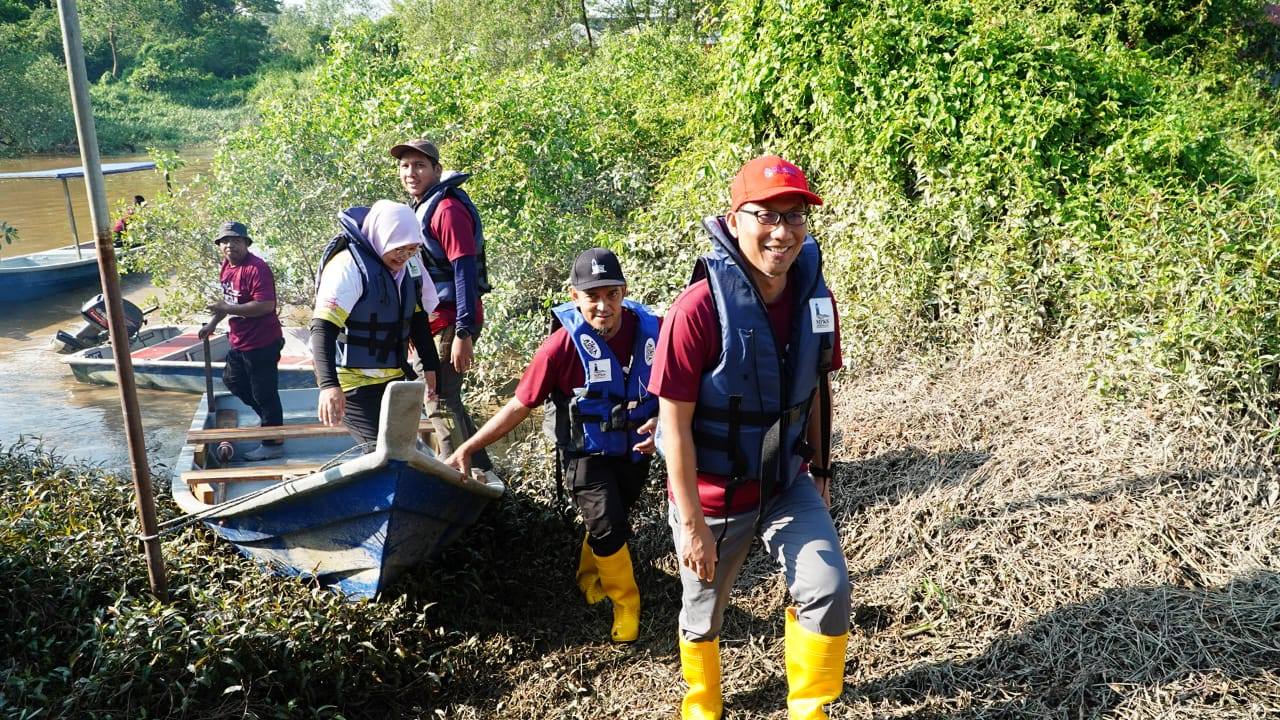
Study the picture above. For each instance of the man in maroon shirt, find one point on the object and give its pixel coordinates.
(601, 424)
(741, 375)
(453, 253)
(249, 297)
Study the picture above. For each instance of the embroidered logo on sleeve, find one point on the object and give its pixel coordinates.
(600, 371)
(823, 314)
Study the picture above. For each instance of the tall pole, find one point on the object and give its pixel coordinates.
(92, 162)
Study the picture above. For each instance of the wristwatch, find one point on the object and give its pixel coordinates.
(462, 332)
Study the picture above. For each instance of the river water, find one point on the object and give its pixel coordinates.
(39, 399)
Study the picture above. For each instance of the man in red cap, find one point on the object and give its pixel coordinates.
(741, 376)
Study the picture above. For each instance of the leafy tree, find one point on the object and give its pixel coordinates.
(123, 23)
(33, 89)
(301, 33)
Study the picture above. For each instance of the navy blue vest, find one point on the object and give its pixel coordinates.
(376, 333)
(753, 406)
(602, 416)
(438, 265)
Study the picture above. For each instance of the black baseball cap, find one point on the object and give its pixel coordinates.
(595, 268)
(426, 147)
(233, 229)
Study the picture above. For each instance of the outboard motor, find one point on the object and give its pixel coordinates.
(94, 330)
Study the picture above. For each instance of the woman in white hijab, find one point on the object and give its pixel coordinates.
(372, 301)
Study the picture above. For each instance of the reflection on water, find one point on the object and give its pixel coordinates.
(40, 400)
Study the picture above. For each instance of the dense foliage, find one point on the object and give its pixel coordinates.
(1103, 173)
(168, 72)
(1107, 170)
(562, 154)
(81, 635)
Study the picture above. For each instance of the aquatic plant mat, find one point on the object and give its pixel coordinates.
(1019, 548)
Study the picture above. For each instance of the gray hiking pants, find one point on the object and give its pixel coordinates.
(797, 532)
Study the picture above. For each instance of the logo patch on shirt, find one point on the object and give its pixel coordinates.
(589, 344)
(823, 314)
(599, 371)
(650, 349)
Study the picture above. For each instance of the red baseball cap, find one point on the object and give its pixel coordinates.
(767, 177)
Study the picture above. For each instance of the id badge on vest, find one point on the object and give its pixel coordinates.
(599, 371)
(822, 314)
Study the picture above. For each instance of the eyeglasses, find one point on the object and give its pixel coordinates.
(401, 253)
(794, 218)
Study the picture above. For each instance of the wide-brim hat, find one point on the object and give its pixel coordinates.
(233, 229)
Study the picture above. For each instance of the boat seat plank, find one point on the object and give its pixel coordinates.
(248, 473)
(281, 432)
(186, 341)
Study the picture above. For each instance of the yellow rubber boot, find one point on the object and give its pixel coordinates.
(700, 663)
(620, 586)
(815, 670)
(588, 576)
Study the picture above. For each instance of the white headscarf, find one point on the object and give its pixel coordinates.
(390, 225)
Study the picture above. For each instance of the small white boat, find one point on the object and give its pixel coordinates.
(168, 357)
(38, 274)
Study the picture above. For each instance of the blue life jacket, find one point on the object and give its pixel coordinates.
(752, 413)
(438, 265)
(376, 333)
(602, 416)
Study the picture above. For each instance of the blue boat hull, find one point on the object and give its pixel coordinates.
(380, 524)
(358, 524)
(38, 282)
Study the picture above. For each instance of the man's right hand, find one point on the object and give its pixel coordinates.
(699, 551)
(332, 406)
(206, 330)
(461, 459)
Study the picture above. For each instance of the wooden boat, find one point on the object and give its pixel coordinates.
(350, 522)
(168, 357)
(38, 274)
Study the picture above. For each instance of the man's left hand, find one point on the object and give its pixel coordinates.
(646, 446)
(462, 354)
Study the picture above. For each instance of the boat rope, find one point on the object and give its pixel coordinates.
(179, 523)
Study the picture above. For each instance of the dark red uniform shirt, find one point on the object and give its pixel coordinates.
(688, 347)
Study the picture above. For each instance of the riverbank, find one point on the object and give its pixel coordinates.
(1019, 548)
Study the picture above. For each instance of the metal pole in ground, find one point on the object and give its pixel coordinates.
(88, 137)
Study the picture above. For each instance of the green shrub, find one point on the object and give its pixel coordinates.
(1097, 171)
(80, 636)
(562, 154)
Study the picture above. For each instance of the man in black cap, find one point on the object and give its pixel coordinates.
(453, 253)
(249, 297)
(592, 373)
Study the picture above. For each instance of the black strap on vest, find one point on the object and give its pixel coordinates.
(379, 338)
(738, 463)
(824, 419)
(562, 504)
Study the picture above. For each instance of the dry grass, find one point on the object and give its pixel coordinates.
(1019, 547)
